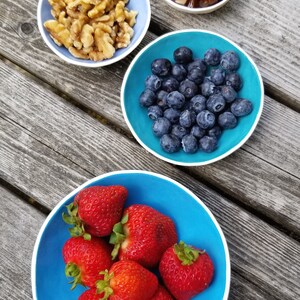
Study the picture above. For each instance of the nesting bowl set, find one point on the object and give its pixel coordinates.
(145, 187)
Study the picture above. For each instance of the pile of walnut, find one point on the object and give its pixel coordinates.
(91, 29)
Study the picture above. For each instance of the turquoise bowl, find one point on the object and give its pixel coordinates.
(163, 47)
(140, 29)
(194, 222)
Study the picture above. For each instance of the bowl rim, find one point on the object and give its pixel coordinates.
(230, 151)
(90, 181)
(96, 64)
(200, 10)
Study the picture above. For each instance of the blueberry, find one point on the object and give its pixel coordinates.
(183, 55)
(206, 119)
(212, 57)
(170, 143)
(189, 144)
(147, 98)
(241, 107)
(172, 115)
(208, 143)
(162, 99)
(198, 103)
(197, 63)
(187, 118)
(175, 100)
(230, 61)
(217, 76)
(216, 132)
(161, 126)
(170, 84)
(207, 88)
(154, 112)
(179, 72)
(227, 120)
(188, 88)
(161, 67)
(196, 75)
(234, 80)
(179, 131)
(216, 103)
(153, 83)
(198, 132)
(229, 93)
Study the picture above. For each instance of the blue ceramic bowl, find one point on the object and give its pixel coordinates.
(163, 47)
(140, 29)
(195, 225)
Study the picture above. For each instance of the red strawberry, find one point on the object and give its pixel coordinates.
(85, 259)
(186, 271)
(95, 210)
(127, 280)
(91, 294)
(161, 294)
(143, 235)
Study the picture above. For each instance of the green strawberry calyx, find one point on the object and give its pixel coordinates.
(72, 270)
(72, 218)
(103, 286)
(118, 236)
(186, 254)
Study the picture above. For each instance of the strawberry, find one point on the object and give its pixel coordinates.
(95, 210)
(143, 235)
(85, 259)
(91, 294)
(186, 271)
(161, 294)
(127, 280)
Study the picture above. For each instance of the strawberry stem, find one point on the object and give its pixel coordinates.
(103, 286)
(186, 254)
(118, 236)
(72, 219)
(72, 270)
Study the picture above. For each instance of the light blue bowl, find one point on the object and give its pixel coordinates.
(195, 225)
(140, 29)
(163, 47)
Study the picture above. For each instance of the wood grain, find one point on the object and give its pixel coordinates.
(270, 36)
(267, 30)
(19, 226)
(95, 88)
(261, 254)
(253, 179)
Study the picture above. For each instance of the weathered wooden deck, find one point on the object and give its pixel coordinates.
(61, 125)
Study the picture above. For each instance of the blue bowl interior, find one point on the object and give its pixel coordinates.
(138, 5)
(193, 223)
(199, 42)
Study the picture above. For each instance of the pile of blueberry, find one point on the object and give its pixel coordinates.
(194, 100)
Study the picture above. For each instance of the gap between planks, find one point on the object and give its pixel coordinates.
(104, 121)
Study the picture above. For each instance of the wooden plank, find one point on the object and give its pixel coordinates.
(261, 254)
(271, 24)
(242, 289)
(254, 181)
(93, 88)
(267, 30)
(19, 226)
(80, 83)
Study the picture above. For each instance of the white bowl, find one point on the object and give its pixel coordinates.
(140, 29)
(190, 10)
